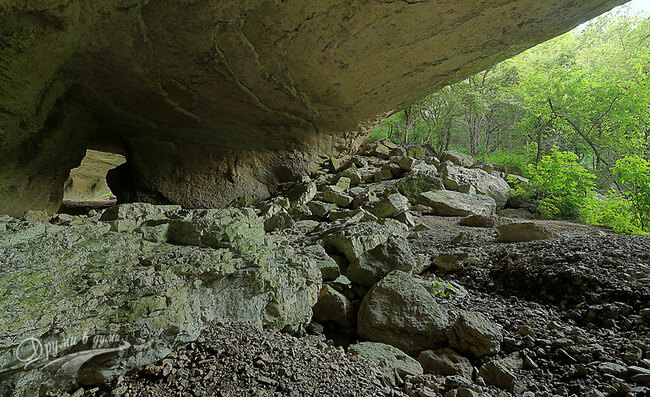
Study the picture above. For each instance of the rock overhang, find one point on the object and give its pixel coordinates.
(212, 101)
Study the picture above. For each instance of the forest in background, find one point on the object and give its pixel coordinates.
(573, 113)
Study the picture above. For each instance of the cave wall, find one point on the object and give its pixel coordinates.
(215, 99)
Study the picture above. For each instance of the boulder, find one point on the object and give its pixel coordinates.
(464, 179)
(394, 169)
(450, 203)
(36, 216)
(418, 182)
(328, 267)
(128, 217)
(138, 211)
(383, 174)
(353, 174)
(302, 193)
(336, 164)
(402, 313)
(406, 218)
(237, 229)
(393, 362)
(524, 232)
(374, 264)
(502, 373)
(515, 213)
(390, 206)
(333, 306)
(407, 163)
(321, 209)
(459, 159)
(337, 197)
(484, 221)
(280, 220)
(451, 261)
(445, 362)
(353, 240)
(417, 152)
(474, 334)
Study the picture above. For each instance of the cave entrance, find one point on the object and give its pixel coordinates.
(86, 188)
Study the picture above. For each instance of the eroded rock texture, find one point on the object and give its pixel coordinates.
(214, 100)
(88, 181)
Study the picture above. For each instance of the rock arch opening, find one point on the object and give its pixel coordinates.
(86, 187)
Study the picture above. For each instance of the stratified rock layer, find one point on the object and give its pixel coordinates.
(213, 101)
(59, 283)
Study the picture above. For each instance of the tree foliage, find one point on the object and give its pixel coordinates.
(560, 184)
(578, 105)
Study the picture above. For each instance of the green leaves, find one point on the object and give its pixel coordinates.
(634, 173)
(560, 185)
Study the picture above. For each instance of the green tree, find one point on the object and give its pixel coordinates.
(559, 184)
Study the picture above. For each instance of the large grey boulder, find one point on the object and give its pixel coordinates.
(401, 312)
(129, 217)
(502, 373)
(524, 232)
(450, 203)
(474, 334)
(389, 206)
(488, 221)
(58, 282)
(420, 181)
(302, 193)
(328, 267)
(138, 211)
(462, 179)
(353, 240)
(393, 362)
(445, 362)
(333, 306)
(374, 264)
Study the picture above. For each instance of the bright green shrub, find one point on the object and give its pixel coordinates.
(560, 185)
(612, 211)
(634, 173)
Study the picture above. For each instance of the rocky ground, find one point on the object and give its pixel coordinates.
(570, 325)
(422, 277)
(242, 360)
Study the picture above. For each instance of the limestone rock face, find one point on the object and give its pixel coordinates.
(214, 101)
(58, 282)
